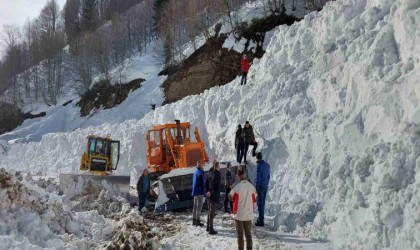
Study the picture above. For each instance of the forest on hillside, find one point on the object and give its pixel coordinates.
(91, 37)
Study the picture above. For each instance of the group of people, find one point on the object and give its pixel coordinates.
(240, 196)
(244, 137)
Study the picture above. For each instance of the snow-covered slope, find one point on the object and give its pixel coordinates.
(67, 118)
(335, 106)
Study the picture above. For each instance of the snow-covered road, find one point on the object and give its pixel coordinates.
(191, 237)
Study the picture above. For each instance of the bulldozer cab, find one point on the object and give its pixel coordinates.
(100, 159)
(102, 155)
(171, 146)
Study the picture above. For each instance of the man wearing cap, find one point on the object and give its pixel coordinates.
(261, 184)
(249, 138)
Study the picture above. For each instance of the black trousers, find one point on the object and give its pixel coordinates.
(243, 80)
(240, 149)
(211, 214)
(228, 189)
(254, 144)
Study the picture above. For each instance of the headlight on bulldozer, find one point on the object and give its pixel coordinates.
(98, 161)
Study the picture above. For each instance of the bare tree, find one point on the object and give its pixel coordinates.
(53, 39)
(83, 63)
(102, 51)
(11, 37)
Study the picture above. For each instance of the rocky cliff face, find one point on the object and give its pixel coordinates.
(209, 66)
(213, 65)
(10, 117)
(105, 95)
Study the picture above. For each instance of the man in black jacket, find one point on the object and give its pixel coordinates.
(249, 138)
(213, 195)
(239, 144)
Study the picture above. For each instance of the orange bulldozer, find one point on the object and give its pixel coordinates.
(171, 146)
(172, 154)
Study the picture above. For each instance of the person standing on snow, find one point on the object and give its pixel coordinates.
(249, 139)
(213, 194)
(243, 196)
(244, 68)
(239, 144)
(229, 180)
(198, 191)
(143, 187)
(261, 184)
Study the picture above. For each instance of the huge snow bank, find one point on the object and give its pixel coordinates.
(335, 107)
(33, 217)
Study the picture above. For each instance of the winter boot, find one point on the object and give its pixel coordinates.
(194, 222)
(198, 223)
(212, 231)
(259, 224)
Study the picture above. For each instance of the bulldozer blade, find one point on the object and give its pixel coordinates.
(73, 185)
(175, 189)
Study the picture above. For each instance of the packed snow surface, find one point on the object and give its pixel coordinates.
(34, 216)
(335, 107)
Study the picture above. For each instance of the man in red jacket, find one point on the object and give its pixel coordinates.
(244, 68)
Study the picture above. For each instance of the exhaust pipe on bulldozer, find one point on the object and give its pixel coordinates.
(178, 132)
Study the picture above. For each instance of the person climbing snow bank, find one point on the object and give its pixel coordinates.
(249, 139)
(239, 144)
(244, 68)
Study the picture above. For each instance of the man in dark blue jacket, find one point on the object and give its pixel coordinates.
(198, 191)
(143, 188)
(261, 184)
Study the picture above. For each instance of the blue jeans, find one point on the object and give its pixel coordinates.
(142, 200)
(261, 195)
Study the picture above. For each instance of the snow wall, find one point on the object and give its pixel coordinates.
(335, 105)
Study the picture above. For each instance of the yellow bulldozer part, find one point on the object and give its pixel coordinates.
(99, 161)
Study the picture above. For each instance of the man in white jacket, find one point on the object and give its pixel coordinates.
(243, 196)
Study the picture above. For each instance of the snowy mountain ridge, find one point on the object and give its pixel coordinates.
(335, 106)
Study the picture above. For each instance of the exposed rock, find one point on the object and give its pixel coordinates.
(211, 65)
(31, 116)
(10, 117)
(106, 96)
